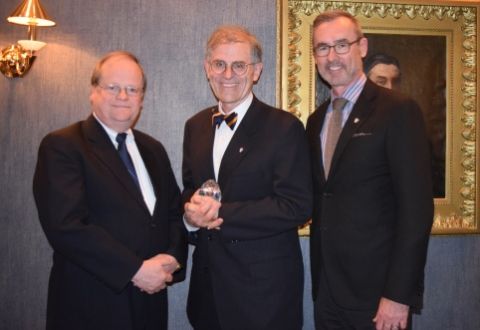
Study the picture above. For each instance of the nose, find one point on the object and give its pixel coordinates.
(332, 54)
(228, 73)
(122, 94)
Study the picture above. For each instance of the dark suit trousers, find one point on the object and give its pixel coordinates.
(329, 316)
(202, 313)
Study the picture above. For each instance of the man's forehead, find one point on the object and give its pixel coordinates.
(382, 68)
(233, 49)
(337, 25)
(333, 35)
(236, 44)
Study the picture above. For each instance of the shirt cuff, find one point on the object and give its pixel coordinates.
(189, 227)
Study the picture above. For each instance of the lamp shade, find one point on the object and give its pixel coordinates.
(32, 45)
(30, 12)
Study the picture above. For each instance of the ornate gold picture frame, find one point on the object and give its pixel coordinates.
(448, 27)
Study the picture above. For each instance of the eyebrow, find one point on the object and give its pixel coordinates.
(335, 42)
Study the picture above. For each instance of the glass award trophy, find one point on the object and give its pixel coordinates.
(212, 189)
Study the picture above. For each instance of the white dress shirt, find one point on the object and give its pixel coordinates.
(224, 134)
(143, 177)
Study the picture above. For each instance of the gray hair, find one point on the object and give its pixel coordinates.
(331, 15)
(234, 33)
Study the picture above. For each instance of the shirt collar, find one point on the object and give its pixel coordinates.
(240, 109)
(352, 92)
(112, 134)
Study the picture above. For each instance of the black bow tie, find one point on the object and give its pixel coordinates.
(230, 119)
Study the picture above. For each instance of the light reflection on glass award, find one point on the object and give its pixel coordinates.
(212, 189)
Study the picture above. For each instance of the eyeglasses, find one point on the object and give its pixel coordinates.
(116, 89)
(340, 48)
(238, 67)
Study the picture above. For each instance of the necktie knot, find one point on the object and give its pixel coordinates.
(230, 119)
(339, 103)
(121, 137)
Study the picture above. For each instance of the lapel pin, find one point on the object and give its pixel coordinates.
(356, 120)
(240, 150)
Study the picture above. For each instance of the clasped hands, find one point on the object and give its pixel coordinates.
(202, 212)
(155, 273)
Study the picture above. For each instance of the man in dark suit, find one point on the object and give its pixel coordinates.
(373, 205)
(247, 265)
(113, 217)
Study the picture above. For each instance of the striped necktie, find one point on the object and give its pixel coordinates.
(333, 133)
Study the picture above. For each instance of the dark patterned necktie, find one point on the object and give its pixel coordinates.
(125, 156)
(230, 119)
(334, 130)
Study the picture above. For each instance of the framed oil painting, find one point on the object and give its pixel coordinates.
(434, 46)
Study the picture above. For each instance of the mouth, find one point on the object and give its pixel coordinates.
(120, 105)
(121, 108)
(229, 85)
(334, 66)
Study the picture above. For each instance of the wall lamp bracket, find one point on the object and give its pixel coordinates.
(16, 59)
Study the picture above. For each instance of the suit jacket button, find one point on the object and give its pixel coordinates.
(209, 237)
(153, 225)
(327, 194)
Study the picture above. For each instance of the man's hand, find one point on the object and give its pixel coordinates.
(391, 315)
(202, 212)
(155, 273)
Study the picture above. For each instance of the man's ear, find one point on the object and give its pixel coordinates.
(206, 66)
(257, 71)
(363, 45)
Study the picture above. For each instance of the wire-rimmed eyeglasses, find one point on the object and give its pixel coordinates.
(115, 90)
(238, 67)
(340, 48)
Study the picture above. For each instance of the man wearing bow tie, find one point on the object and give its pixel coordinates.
(247, 266)
(373, 198)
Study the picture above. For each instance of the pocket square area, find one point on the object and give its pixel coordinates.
(359, 134)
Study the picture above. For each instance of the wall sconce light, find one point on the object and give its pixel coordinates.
(16, 60)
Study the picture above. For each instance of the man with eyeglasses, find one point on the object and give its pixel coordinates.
(247, 268)
(373, 204)
(110, 207)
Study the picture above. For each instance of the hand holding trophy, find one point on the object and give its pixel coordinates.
(212, 189)
(202, 209)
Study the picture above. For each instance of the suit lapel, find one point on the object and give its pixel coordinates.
(315, 137)
(241, 142)
(103, 149)
(361, 110)
(206, 146)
